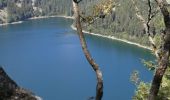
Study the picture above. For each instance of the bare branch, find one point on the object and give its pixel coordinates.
(146, 24)
(149, 17)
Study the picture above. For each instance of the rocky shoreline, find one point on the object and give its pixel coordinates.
(9, 90)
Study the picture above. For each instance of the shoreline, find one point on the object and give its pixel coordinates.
(41, 17)
(114, 38)
(33, 18)
(74, 28)
(5, 24)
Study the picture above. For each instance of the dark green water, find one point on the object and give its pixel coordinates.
(45, 56)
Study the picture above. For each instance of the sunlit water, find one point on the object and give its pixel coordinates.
(45, 56)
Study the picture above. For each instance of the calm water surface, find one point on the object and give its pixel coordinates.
(45, 56)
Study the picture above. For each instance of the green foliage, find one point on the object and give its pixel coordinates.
(157, 39)
(164, 93)
(142, 91)
(135, 77)
(149, 64)
(55, 7)
(142, 88)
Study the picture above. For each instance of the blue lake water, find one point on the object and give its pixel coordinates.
(45, 56)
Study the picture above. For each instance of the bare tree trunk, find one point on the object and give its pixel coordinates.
(164, 60)
(99, 87)
(163, 63)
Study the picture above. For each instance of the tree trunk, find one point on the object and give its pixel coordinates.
(163, 63)
(99, 87)
(164, 60)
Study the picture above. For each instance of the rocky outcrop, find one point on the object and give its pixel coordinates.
(9, 90)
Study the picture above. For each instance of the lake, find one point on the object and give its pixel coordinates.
(45, 56)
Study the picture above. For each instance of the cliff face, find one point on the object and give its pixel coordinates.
(9, 90)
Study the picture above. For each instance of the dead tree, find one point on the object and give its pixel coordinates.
(162, 51)
(99, 87)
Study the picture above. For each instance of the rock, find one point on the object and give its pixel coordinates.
(9, 90)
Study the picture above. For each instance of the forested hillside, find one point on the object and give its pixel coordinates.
(15, 10)
(123, 23)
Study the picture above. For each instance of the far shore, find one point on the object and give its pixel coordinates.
(40, 17)
(114, 38)
(18, 22)
(74, 28)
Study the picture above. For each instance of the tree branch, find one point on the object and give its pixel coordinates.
(149, 17)
(99, 87)
(146, 24)
(164, 60)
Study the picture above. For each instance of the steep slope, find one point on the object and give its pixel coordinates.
(122, 22)
(15, 10)
(9, 90)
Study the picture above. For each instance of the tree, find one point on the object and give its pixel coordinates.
(99, 87)
(162, 51)
(163, 59)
